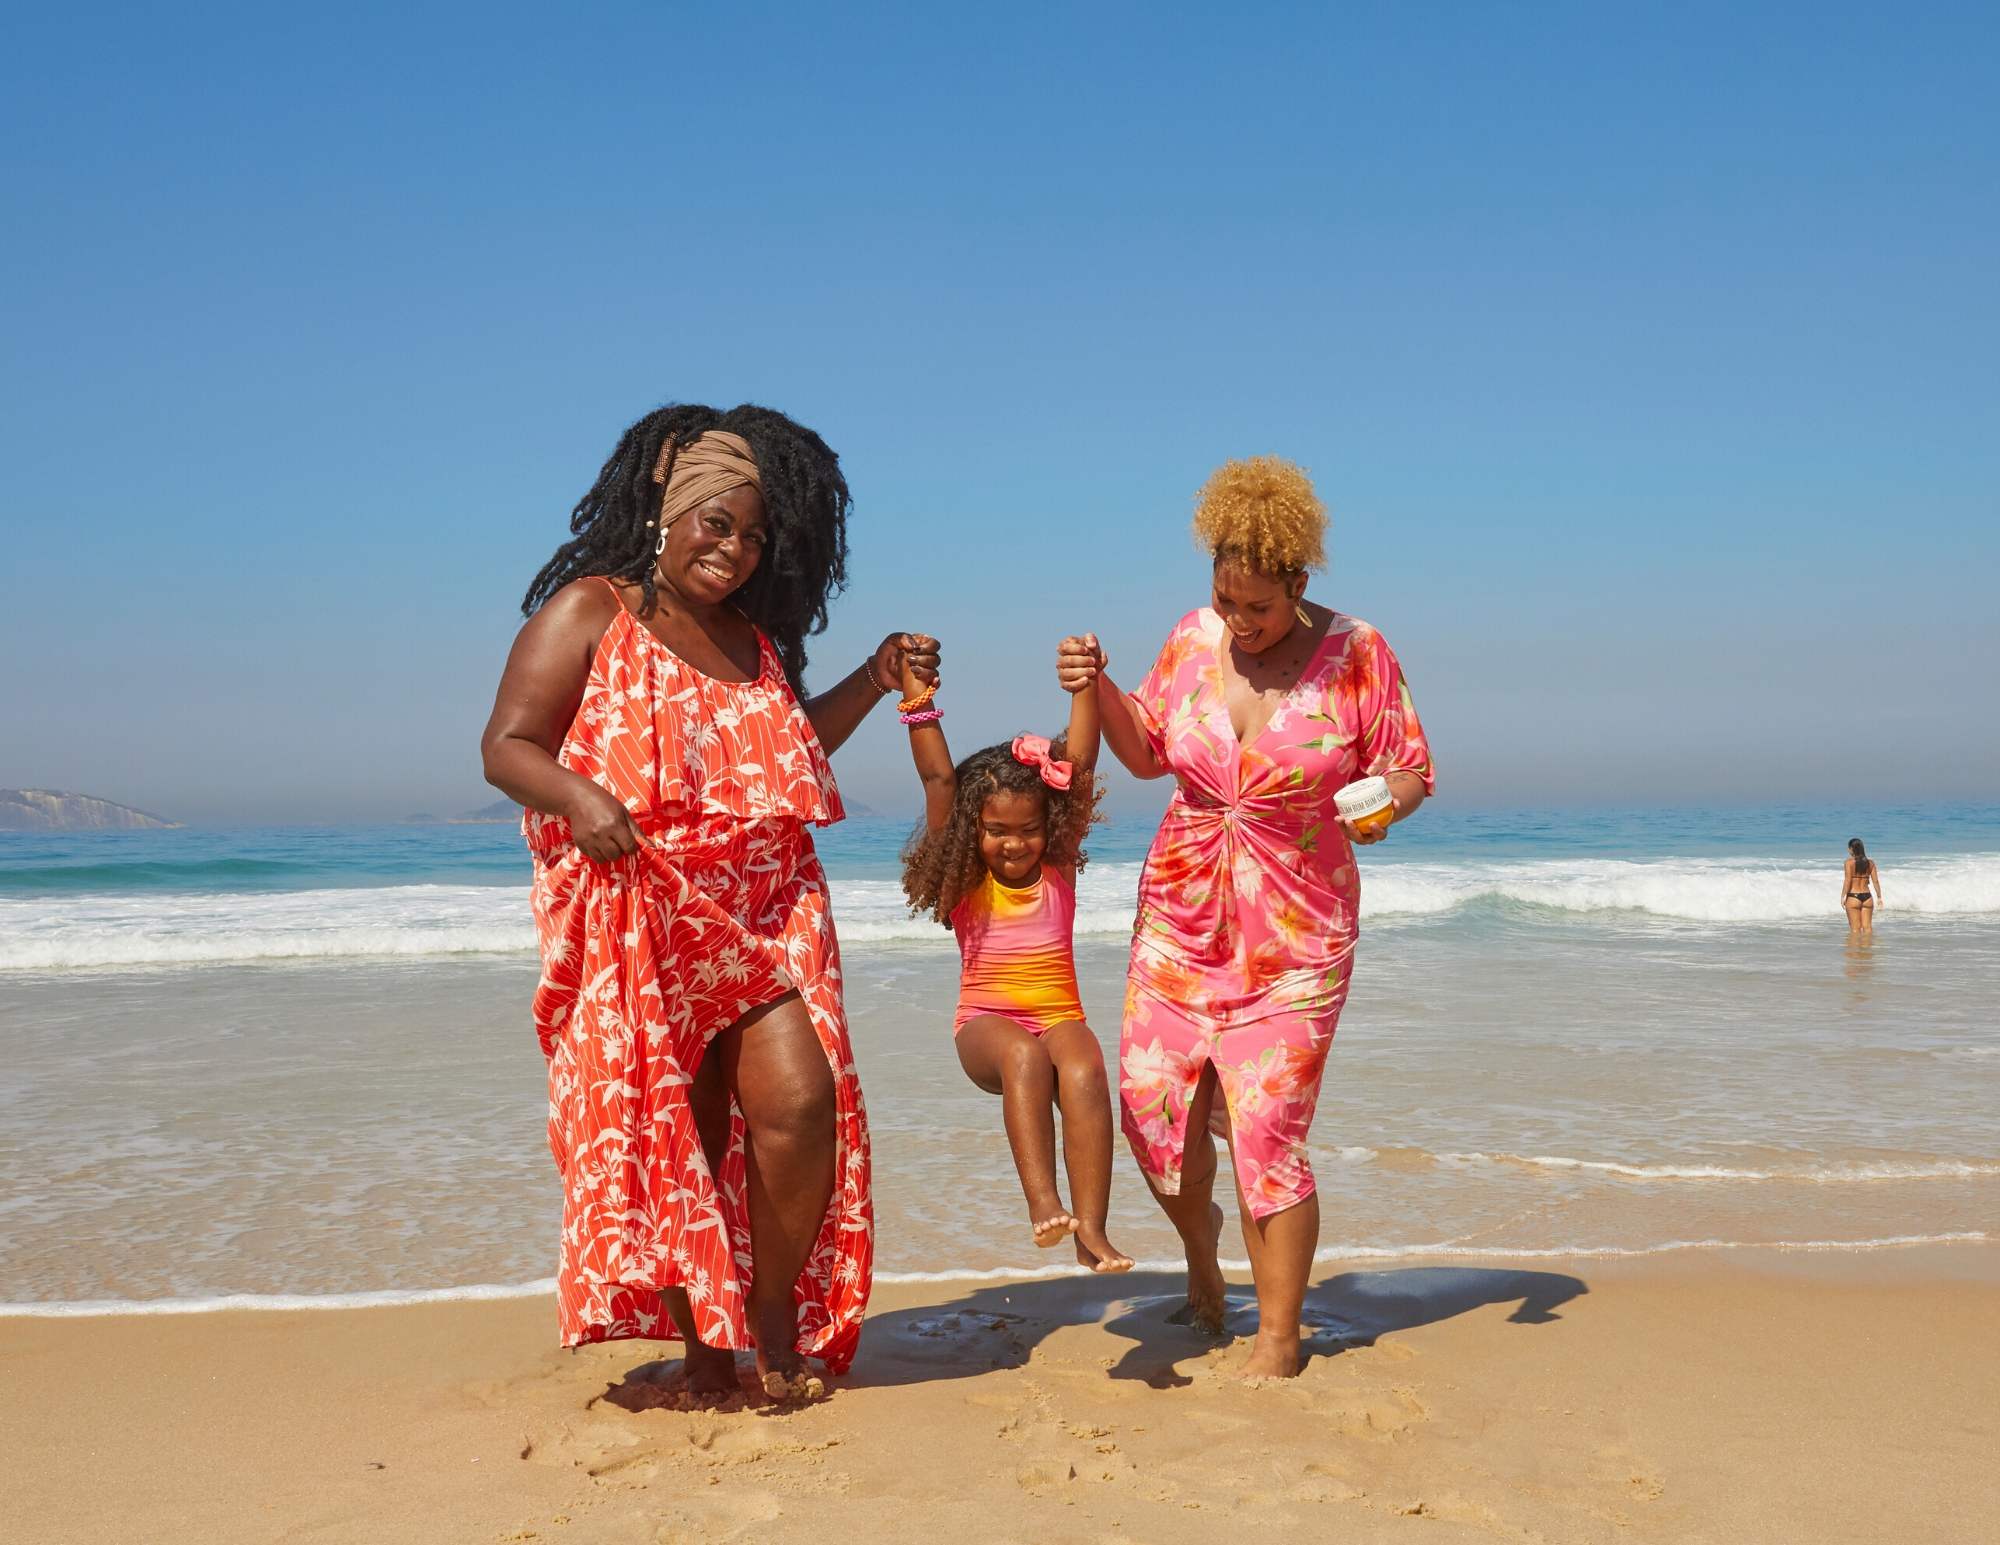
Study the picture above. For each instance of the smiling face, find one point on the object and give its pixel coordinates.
(1258, 609)
(1013, 832)
(714, 548)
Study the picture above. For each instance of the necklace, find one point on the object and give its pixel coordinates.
(1250, 666)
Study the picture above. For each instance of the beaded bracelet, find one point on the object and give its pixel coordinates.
(921, 700)
(868, 666)
(922, 716)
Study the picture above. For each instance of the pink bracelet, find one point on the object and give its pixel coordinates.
(922, 716)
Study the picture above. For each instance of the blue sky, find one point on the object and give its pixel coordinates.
(1645, 356)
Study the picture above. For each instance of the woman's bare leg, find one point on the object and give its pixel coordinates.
(1003, 1059)
(1195, 1216)
(777, 1071)
(1281, 1250)
(1854, 910)
(710, 1370)
(1084, 1098)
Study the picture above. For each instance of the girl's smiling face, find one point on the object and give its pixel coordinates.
(714, 549)
(1013, 832)
(1258, 609)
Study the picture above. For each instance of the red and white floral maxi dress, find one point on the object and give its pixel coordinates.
(646, 960)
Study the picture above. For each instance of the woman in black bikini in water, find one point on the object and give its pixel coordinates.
(1856, 895)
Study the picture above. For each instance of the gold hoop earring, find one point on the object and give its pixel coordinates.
(1299, 612)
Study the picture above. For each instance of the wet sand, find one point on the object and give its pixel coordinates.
(1753, 1396)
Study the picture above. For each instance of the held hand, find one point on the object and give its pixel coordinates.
(904, 658)
(601, 827)
(1368, 836)
(1079, 660)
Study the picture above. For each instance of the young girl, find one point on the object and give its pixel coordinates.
(996, 862)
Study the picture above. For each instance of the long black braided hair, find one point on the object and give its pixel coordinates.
(804, 564)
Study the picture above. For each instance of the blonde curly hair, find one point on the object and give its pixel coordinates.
(1262, 512)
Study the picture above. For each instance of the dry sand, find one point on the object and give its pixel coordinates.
(1751, 1397)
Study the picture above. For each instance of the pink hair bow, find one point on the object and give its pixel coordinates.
(1033, 751)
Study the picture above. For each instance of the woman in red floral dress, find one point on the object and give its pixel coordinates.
(703, 1104)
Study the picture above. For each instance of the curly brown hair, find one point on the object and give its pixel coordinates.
(942, 867)
(1262, 512)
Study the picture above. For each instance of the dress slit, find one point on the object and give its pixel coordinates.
(723, 912)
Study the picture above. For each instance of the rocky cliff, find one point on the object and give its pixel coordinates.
(51, 810)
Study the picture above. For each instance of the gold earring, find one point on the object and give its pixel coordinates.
(1299, 612)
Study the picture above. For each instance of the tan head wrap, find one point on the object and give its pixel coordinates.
(712, 464)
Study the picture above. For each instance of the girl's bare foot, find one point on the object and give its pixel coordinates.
(1097, 1252)
(1272, 1357)
(1206, 1303)
(1054, 1229)
(710, 1370)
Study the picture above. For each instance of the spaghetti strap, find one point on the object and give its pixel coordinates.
(616, 594)
(644, 963)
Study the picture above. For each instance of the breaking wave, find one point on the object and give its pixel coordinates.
(153, 928)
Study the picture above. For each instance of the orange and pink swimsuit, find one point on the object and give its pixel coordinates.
(1018, 963)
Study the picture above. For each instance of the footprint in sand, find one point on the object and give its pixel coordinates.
(1378, 1416)
(1324, 1483)
(716, 1516)
(1044, 1475)
(1619, 1470)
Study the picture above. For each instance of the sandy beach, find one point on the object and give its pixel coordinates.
(1642, 1225)
(1752, 1396)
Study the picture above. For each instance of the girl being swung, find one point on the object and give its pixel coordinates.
(996, 861)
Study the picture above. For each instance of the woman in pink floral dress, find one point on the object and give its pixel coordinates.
(1261, 706)
(703, 1106)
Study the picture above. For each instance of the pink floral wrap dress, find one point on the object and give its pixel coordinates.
(1249, 898)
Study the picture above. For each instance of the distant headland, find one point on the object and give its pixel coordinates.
(52, 810)
(500, 812)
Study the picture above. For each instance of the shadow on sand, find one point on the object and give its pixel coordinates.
(999, 1326)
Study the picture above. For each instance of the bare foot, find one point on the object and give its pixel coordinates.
(710, 1370)
(781, 1370)
(1272, 1357)
(1097, 1252)
(1054, 1229)
(1206, 1303)
(781, 1367)
(793, 1389)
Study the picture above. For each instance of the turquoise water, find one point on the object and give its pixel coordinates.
(198, 860)
(298, 1061)
(91, 901)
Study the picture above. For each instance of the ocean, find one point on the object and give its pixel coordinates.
(294, 1065)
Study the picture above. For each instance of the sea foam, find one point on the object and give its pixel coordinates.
(154, 928)
(1326, 1255)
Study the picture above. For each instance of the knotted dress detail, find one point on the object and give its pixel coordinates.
(1249, 898)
